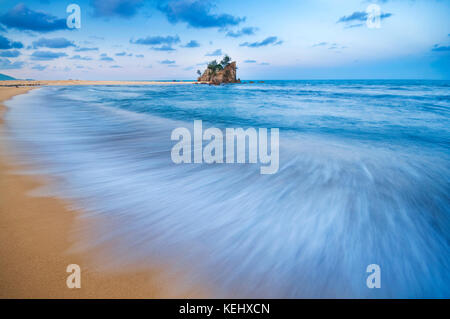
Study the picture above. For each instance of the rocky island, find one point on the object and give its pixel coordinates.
(218, 73)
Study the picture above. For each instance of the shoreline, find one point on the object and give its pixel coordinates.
(32, 83)
(37, 244)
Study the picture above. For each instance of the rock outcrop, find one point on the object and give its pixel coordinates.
(227, 75)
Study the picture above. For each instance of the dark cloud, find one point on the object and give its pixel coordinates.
(47, 55)
(360, 16)
(56, 43)
(6, 64)
(440, 48)
(85, 49)
(192, 44)
(6, 44)
(167, 62)
(218, 52)
(22, 18)
(242, 32)
(10, 54)
(265, 42)
(79, 57)
(120, 8)
(196, 13)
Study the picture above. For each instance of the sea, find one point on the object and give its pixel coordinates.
(363, 179)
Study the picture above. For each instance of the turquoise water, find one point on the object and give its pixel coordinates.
(364, 179)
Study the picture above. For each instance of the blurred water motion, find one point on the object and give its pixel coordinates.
(364, 178)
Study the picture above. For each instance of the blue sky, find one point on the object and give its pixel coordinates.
(171, 39)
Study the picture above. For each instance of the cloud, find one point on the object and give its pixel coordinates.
(265, 42)
(85, 49)
(357, 25)
(6, 64)
(115, 67)
(10, 54)
(157, 40)
(192, 44)
(47, 55)
(242, 32)
(320, 44)
(121, 54)
(165, 43)
(79, 57)
(196, 13)
(120, 8)
(333, 46)
(39, 67)
(357, 15)
(440, 48)
(106, 58)
(56, 43)
(163, 48)
(6, 44)
(264, 63)
(218, 52)
(22, 18)
(167, 62)
(250, 61)
(139, 55)
(360, 16)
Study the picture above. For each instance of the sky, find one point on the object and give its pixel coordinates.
(172, 39)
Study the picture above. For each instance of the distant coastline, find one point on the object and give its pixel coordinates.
(26, 83)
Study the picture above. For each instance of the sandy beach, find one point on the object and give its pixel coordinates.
(36, 240)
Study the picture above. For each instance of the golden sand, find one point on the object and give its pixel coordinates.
(36, 237)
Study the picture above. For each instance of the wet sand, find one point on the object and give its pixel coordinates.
(37, 240)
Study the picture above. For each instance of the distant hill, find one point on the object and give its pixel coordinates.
(4, 77)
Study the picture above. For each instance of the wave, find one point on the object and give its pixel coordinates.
(358, 184)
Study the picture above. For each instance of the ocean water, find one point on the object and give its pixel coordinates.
(364, 179)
